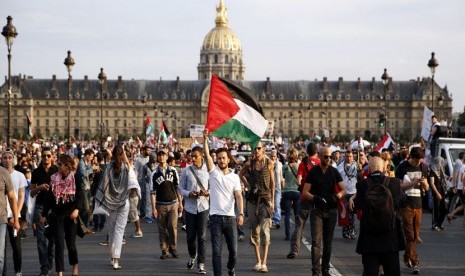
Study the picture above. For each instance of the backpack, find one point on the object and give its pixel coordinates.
(379, 210)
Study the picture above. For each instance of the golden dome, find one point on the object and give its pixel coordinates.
(221, 38)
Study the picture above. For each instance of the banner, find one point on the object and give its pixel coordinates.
(427, 123)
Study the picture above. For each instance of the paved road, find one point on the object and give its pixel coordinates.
(442, 253)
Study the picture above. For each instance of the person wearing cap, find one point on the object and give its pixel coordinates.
(6, 187)
(40, 182)
(18, 181)
(194, 188)
(166, 204)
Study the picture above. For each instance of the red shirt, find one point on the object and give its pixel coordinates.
(304, 168)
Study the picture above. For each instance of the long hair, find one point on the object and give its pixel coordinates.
(117, 156)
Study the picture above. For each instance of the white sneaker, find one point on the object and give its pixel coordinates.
(257, 267)
(202, 269)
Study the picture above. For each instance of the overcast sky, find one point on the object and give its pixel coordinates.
(281, 39)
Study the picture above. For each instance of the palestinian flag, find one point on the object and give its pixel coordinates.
(234, 113)
(164, 133)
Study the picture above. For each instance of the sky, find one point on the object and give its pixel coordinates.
(281, 39)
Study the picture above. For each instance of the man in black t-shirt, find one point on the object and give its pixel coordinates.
(413, 174)
(324, 186)
(40, 182)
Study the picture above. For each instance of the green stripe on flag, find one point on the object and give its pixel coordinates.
(234, 130)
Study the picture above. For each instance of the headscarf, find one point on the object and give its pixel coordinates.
(437, 166)
(63, 189)
(113, 189)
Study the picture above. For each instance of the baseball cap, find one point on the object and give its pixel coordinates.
(162, 151)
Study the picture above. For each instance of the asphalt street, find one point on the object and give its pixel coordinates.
(442, 253)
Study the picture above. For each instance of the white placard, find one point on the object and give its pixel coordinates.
(196, 131)
(426, 126)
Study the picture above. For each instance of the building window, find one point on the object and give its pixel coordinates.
(216, 58)
(226, 59)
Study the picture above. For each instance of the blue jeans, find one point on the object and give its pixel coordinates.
(322, 224)
(196, 229)
(46, 253)
(290, 199)
(223, 225)
(277, 207)
(2, 245)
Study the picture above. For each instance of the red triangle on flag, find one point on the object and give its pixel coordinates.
(221, 106)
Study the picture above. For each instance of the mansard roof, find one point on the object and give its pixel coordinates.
(193, 89)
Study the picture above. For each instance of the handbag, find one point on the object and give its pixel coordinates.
(82, 229)
(98, 210)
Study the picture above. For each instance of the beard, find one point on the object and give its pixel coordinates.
(222, 166)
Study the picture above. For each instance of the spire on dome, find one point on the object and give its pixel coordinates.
(221, 15)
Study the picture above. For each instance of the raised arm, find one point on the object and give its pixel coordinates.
(206, 148)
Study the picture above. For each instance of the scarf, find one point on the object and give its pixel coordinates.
(112, 191)
(63, 189)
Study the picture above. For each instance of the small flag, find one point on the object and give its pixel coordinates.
(234, 113)
(385, 143)
(29, 125)
(164, 133)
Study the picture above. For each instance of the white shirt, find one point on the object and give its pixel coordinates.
(349, 176)
(459, 178)
(19, 181)
(222, 188)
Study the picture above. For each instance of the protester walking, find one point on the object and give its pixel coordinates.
(320, 187)
(40, 184)
(112, 196)
(291, 194)
(64, 200)
(260, 205)
(381, 236)
(225, 189)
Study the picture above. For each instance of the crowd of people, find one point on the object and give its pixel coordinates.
(60, 189)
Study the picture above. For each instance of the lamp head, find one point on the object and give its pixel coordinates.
(9, 32)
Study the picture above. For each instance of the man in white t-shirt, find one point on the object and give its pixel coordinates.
(225, 190)
(19, 184)
(460, 193)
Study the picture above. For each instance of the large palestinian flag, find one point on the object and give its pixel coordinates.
(234, 113)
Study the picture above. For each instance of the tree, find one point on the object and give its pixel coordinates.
(461, 119)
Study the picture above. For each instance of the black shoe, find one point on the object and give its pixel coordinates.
(44, 273)
(190, 263)
(286, 238)
(164, 255)
(174, 253)
(416, 270)
(291, 255)
(231, 272)
(325, 273)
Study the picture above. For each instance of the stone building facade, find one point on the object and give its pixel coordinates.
(343, 107)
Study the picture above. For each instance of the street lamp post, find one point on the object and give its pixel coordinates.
(385, 79)
(9, 32)
(69, 62)
(440, 103)
(432, 64)
(102, 77)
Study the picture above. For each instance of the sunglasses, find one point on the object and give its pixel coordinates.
(258, 148)
(326, 156)
(47, 155)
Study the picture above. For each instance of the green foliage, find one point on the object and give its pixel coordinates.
(461, 119)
